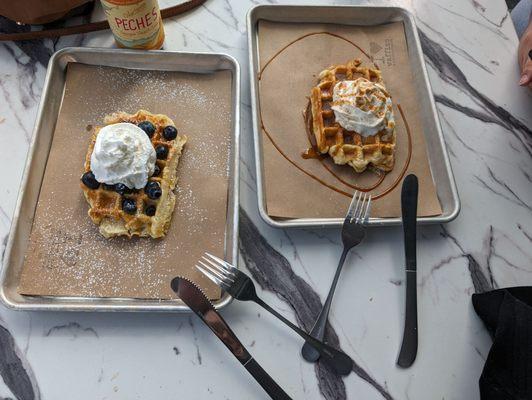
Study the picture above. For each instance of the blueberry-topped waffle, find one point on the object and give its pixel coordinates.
(130, 187)
(351, 117)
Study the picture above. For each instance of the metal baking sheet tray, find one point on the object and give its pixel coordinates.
(356, 15)
(37, 157)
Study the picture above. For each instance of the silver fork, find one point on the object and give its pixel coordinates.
(353, 232)
(241, 287)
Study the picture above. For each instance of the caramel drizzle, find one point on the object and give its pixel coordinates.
(321, 158)
(312, 34)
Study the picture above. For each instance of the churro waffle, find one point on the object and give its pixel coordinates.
(348, 147)
(151, 216)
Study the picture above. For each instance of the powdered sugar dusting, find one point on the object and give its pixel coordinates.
(67, 254)
(75, 260)
(154, 84)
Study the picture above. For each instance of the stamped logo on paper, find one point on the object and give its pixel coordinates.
(383, 52)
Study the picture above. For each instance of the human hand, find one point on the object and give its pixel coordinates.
(525, 57)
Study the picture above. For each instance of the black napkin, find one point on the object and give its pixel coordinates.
(507, 313)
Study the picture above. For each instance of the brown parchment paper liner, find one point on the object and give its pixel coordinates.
(67, 256)
(284, 87)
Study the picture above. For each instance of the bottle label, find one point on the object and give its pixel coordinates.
(135, 23)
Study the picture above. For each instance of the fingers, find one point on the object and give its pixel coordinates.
(525, 79)
(524, 57)
(526, 74)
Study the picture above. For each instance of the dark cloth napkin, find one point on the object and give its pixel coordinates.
(507, 313)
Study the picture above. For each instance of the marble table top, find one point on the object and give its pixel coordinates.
(470, 49)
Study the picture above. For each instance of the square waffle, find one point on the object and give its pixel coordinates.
(348, 147)
(106, 204)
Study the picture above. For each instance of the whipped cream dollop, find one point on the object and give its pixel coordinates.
(363, 106)
(123, 153)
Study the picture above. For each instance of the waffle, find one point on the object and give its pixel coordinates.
(106, 204)
(347, 147)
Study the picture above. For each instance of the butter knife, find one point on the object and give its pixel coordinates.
(409, 195)
(202, 307)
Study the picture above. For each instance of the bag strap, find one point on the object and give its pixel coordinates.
(93, 26)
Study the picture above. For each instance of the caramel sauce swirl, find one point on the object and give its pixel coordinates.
(313, 154)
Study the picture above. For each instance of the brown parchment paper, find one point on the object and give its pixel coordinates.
(284, 87)
(67, 255)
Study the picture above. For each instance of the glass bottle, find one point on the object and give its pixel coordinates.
(136, 24)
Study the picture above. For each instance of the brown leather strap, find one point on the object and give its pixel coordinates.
(93, 26)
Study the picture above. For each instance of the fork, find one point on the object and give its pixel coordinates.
(241, 287)
(353, 232)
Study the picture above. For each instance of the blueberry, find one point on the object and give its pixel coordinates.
(89, 180)
(161, 151)
(150, 211)
(151, 185)
(170, 132)
(108, 187)
(121, 189)
(156, 170)
(153, 190)
(129, 206)
(147, 127)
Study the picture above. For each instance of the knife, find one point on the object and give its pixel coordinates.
(202, 307)
(409, 194)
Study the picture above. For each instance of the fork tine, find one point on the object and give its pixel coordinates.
(363, 214)
(367, 212)
(353, 207)
(361, 209)
(218, 273)
(221, 267)
(213, 278)
(216, 261)
(352, 204)
(228, 266)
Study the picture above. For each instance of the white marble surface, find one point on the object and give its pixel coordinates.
(470, 51)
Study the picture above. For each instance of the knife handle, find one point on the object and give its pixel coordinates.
(409, 194)
(231, 341)
(408, 352)
(265, 380)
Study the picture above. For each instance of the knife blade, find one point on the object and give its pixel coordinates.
(409, 197)
(194, 297)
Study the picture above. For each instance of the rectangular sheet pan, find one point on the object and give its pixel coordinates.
(202, 63)
(355, 15)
